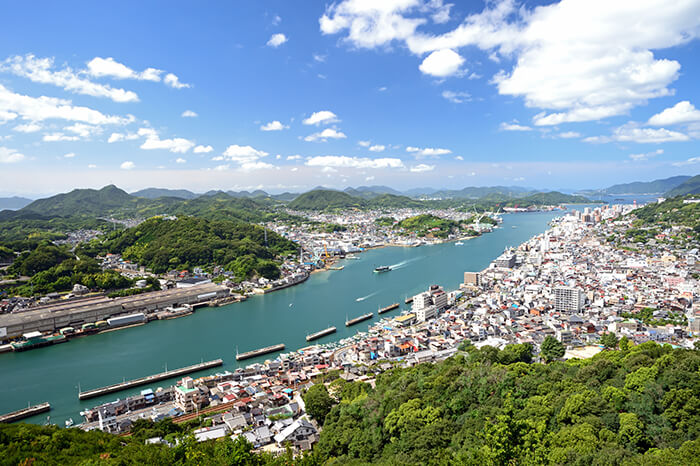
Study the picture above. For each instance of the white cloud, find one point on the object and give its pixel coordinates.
(427, 151)
(329, 170)
(243, 154)
(40, 70)
(276, 40)
(646, 156)
(28, 128)
(457, 97)
(69, 155)
(92, 165)
(45, 108)
(202, 149)
(328, 133)
(276, 20)
(459, 157)
(364, 143)
(341, 161)
(514, 127)
(294, 157)
(422, 168)
(377, 148)
(442, 63)
(6, 116)
(128, 165)
(682, 112)
(180, 160)
(322, 117)
(174, 82)
(189, 114)
(295, 169)
(10, 155)
(690, 161)
(58, 137)
(569, 135)
(319, 58)
(83, 130)
(153, 141)
(273, 126)
(116, 137)
(564, 61)
(108, 67)
(631, 133)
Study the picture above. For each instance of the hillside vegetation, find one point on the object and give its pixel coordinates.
(690, 186)
(670, 212)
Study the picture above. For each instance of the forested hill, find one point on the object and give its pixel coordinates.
(642, 187)
(548, 198)
(188, 242)
(670, 212)
(690, 186)
(321, 199)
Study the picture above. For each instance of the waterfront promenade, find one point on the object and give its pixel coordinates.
(286, 316)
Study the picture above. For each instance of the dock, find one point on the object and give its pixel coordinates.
(322, 333)
(408, 300)
(259, 352)
(149, 379)
(26, 412)
(390, 307)
(357, 320)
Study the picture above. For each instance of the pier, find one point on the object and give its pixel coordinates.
(149, 379)
(357, 320)
(259, 352)
(390, 307)
(26, 412)
(322, 333)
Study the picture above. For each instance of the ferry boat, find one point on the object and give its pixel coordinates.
(382, 268)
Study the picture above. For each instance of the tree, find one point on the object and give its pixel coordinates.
(552, 349)
(609, 340)
(318, 402)
(624, 344)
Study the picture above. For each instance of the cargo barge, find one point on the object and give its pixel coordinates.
(25, 413)
(357, 320)
(149, 379)
(322, 333)
(259, 352)
(390, 307)
(37, 340)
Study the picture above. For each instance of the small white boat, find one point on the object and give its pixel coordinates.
(459, 243)
(69, 422)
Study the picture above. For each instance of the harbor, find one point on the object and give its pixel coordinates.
(322, 333)
(29, 411)
(285, 316)
(388, 308)
(149, 379)
(359, 319)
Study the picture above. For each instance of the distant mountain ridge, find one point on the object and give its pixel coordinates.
(14, 202)
(659, 186)
(689, 186)
(155, 193)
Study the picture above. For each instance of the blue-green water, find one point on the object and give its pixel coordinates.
(52, 374)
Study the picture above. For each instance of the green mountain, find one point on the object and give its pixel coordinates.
(155, 193)
(689, 186)
(478, 192)
(14, 202)
(369, 192)
(640, 187)
(548, 198)
(323, 199)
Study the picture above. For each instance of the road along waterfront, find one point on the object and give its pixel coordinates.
(327, 299)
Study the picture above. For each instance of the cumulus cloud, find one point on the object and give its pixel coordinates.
(631, 133)
(128, 165)
(341, 161)
(189, 114)
(427, 151)
(8, 155)
(153, 141)
(322, 117)
(564, 61)
(442, 63)
(58, 137)
(377, 148)
(46, 108)
(180, 160)
(568, 135)
(456, 97)
(69, 155)
(108, 67)
(41, 70)
(328, 133)
(174, 82)
(364, 143)
(682, 112)
(276, 40)
(83, 130)
(646, 156)
(422, 168)
(202, 149)
(28, 128)
(514, 127)
(243, 154)
(294, 157)
(273, 126)
(117, 137)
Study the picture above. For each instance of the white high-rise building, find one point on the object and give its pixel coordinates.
(568, 299)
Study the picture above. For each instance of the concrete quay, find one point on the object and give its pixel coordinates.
(26, 412)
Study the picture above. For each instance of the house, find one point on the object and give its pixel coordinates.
(299, 431)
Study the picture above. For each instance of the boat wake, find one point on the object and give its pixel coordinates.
(365, 297)
(403, 264)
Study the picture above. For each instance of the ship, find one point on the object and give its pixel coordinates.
(357, 320)
(382, 268)
(459, 243)
(37, 340)
(322, 333)
(390, 307)
(259, 352)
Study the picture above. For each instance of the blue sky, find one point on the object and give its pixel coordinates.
(290, 95)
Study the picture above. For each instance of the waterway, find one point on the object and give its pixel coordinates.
(54, 374)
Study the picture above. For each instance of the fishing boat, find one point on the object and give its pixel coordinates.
(459, 243)
(382, 268)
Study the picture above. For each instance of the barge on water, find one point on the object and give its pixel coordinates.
(390, 307)
(357, 320)
(322, 333)
(259, 352)
(149, 379)
(26, 412)
(37, 340)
